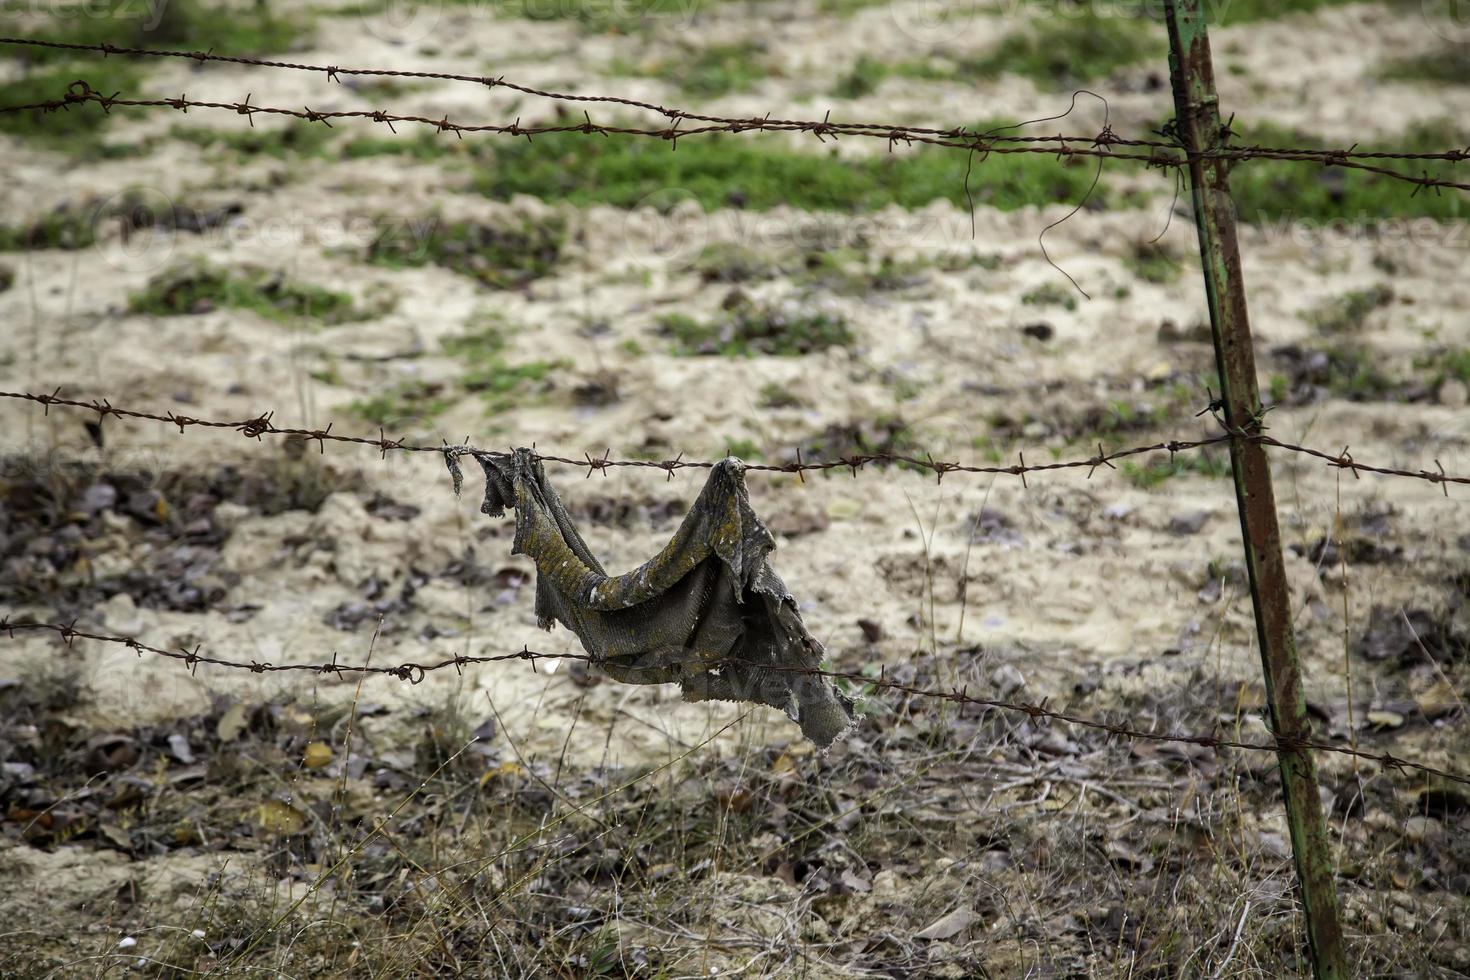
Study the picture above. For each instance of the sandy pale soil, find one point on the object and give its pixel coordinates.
(1108, 593)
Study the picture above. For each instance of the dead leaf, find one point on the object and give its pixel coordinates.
(127, 895)
(1438, 700)
(189, 774)
(279, 818)
(1250, 697)
(735, 798)
(110, 753)
(949, 926)
(116, 836)
(1126, 856)
(509, 769)
(232, 723)
(1274, 844)
(1385, 719)
(318, 754)
(178, 747)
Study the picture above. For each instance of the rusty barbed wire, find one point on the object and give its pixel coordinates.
(261, 425)
(1099, 146)
(80, 92)
(415, 673)
(258, 426)
(334, 73)
(1344, 460)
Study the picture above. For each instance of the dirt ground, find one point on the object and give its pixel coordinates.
(520, 820)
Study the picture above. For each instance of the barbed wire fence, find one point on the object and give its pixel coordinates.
(260, 426)
(1100, 145)
(1196, 144)
(415, 673)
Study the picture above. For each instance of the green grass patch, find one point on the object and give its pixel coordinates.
(487, 370)
(422, 145)
(743, 447)
(863, 78)
(1448, 64)
(1158, 471)
(883, 433)
(740, 171)
(1223, 13)
(1336, 200)
(1355, 373)
(1456, 364)
(617, 16)
(200, 288)
(1343, 369)
(225, 28)
(785, 329)
(74, 224)
(477, 345)
(709, 71)
(499, 380)
(70, 226)
(1121, 416)
(846, 8)
(1349, 312)
(234, 29)
(776, 396)
(1051, 294)
(735, 262)
(501, 255)
(295, 139)
(75, 129)
(852, 272)
(1069, 48)
(1154, 262)
(1445, 365)
(404, 404)
(598, 15)
(755, 173)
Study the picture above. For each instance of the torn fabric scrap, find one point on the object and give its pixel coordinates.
(707, 612)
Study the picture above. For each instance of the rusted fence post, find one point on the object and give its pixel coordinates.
(1197, 116)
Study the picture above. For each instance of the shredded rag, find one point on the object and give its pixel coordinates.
(707, 612)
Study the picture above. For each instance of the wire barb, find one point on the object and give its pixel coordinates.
(415, 673)
(264, 425)
(1150, 152)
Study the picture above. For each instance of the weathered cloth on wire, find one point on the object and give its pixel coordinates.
(707, 612)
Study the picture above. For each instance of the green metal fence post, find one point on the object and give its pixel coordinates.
(1197, 115)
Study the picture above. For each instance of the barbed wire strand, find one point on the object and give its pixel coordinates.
(334, 73)
(414, 673)
(1100, 146)
(262, 425)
